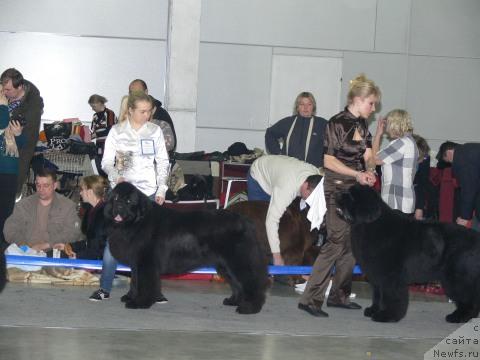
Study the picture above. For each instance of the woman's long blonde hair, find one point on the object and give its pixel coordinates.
(123, 114)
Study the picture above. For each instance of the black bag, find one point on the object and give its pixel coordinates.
(58, 134)
(82, 148)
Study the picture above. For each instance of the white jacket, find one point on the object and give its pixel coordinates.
(149, 166)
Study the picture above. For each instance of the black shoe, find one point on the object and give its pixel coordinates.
(161, 299)
(312, 310)
(349, 305)
(99, 295)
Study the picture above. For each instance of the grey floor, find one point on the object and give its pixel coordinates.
(48, 322)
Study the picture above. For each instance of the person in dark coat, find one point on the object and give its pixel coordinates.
(465, 160)
(421, 182)
(26, 106)
(300, 135)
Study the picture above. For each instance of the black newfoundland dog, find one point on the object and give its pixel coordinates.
(395, 250)
(154, 240)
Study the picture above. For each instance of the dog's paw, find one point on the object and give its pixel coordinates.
(135, 304)
(456, 317)
(369, 311)
(248, 308)
(383, 316)
(125, 298)
(230, 301)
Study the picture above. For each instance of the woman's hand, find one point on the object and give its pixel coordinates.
(15, 127)
(159, 200)
(366, 178)
(381, 124)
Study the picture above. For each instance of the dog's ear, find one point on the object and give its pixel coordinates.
(108, 209)
(367, 204)
(144, 205)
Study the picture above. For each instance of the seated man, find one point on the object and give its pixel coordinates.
(280, 179)
(45, 220)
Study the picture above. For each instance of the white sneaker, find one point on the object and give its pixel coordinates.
(300, 288)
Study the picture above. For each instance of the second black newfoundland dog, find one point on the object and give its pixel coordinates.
(395, 250)
(154, 240)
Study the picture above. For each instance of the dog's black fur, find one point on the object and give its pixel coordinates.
(154, 240)
(395, 250)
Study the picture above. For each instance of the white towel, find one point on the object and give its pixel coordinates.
(318, 206)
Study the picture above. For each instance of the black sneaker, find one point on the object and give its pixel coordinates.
(161, 299)
(99, 295)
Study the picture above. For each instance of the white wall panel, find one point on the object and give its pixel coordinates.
(443, 97)
(294, 74)
(327, 24)
(445, 28)
(233, 86)
(68, 69)
(392, 27)
(115, 18)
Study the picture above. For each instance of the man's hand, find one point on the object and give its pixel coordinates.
(159, 200)
(15, 127)
(418, 214)
(461, 221)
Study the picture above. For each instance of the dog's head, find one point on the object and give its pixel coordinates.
(126, 204)
(359, 204)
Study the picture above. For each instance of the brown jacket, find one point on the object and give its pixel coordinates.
(63, 222)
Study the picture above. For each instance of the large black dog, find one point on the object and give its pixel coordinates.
(154, 240)
(395, 250)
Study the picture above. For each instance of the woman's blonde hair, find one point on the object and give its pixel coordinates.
(398, 123)
(123, 109)
(137, 96)
(362, 87)
(97, 183)
(308, 95)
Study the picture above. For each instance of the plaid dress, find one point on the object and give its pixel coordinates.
(400, 159)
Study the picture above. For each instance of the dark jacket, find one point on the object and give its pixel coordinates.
(31, 108)
(93, 227)
(162, 114)
(298, 139)
(8, 164)
(421, 183)
(466, 169)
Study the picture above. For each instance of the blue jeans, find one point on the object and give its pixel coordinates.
(108, 269)
(254, 190)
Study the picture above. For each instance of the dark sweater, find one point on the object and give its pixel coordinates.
(93, 227)
(298, 139)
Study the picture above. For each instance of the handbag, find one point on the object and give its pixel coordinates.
(82, 148)
(57, 135)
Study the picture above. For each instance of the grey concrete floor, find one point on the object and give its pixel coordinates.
(48, 322)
